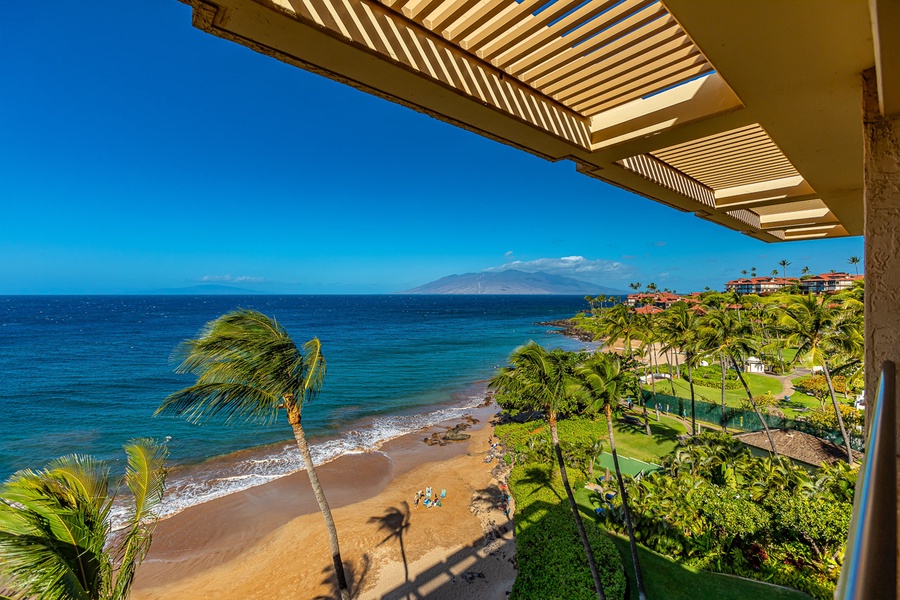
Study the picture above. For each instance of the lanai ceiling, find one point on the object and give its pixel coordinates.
(748, 114)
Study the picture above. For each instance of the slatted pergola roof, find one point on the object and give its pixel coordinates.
(744, 113)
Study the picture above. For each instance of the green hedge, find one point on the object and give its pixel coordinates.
(730, 384)
(551, 560)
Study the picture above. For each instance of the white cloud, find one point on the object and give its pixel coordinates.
(231, 279)
(509, 254)
(570, 266)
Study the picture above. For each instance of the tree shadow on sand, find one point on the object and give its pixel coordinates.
(395, 521)
(356, 575)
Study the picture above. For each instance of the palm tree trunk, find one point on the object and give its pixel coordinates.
(671, 374)
(595, 574)
(693, 405)
(639, 390)
(300, 436)
(724, 420)
(837, 412)
(638, 576)
(755, 407)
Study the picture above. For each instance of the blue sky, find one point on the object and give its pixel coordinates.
(139, 153)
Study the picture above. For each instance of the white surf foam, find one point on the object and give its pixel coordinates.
(205, 484)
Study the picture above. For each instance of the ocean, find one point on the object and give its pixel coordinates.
(83, 374)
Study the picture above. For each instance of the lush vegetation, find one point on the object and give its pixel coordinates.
(715, 506)
(712, 505)
(551, 561)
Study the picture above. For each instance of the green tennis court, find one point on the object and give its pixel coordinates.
(629, 466)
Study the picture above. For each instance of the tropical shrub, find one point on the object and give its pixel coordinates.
(824, 418)
(718, 507)
(711, 376)
(767, 403)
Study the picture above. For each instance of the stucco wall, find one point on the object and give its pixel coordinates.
(882, 233)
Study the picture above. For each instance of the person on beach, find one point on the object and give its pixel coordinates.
(418, 497)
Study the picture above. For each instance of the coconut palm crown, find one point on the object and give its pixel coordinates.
(249, 368)
(56, 538)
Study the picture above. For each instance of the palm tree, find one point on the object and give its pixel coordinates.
(854, 260)
(590, 300)
(784, 265)
(721, 333)
(539, 380)
(679, 328)
(805, 271)
(602, 383)
(56, 539)
(248, 367)
(774, 272)
(620, 322)
(819, 328)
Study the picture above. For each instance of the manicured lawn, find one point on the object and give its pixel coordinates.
(759, 384)
(665, 578)
(631, 441)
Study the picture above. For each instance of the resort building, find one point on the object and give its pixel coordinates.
(828, 283)
(759, 285)
(778, 120)
(658, 299)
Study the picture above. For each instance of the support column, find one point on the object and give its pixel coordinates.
(882, 262)
(882, 236)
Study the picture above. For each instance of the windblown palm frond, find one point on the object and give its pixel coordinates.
(246, 364)
(55, 529)
(145, 477)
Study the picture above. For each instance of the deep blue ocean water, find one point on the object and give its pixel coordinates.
(85, 373)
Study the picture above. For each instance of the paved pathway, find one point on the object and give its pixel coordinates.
(787, 388)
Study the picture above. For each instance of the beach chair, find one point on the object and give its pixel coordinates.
(428, 492)
(443, 493)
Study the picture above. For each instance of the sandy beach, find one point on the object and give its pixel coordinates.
(270, 541)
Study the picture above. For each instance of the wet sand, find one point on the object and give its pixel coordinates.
(270, 541)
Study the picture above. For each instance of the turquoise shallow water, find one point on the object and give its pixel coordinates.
(85, 373)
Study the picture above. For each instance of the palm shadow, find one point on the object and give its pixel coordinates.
(395, 521)
(540, 476)
(356, 575)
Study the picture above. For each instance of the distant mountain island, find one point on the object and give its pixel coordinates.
(512, 282)
(207, 290)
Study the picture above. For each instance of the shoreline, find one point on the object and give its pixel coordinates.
(195, 483)
(234, 546)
